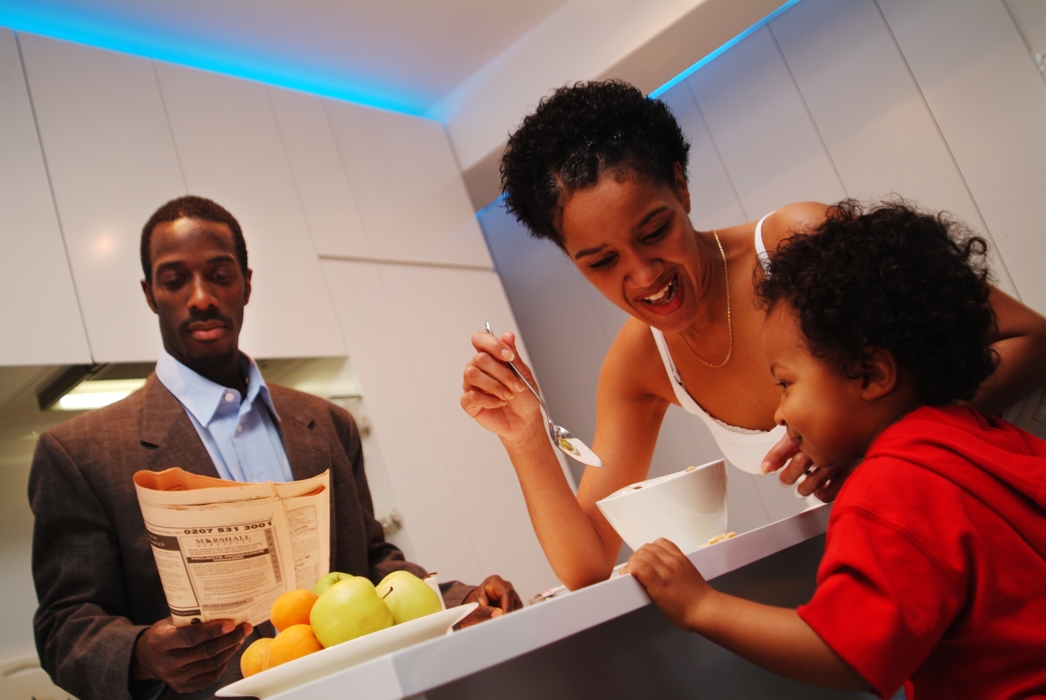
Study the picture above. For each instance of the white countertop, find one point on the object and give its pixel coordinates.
(425, 666)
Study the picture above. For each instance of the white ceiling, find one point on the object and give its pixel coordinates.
(400, 54)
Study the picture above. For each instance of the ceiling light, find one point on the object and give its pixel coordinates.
(97, 393)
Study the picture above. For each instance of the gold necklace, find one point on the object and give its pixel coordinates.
(729, 323)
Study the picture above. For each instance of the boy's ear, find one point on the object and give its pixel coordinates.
(877, 370)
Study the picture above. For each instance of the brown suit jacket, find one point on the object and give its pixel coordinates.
(95, 575)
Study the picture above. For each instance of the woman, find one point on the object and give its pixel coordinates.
(601, 171)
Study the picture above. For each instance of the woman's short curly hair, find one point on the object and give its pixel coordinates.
(576, 134)
(894, 278)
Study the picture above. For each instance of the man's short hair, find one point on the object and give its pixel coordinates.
(192, 207)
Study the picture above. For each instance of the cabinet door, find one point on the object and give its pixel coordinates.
(713, 199)
(326, 198)
(408, 187)
(230, 151)
(439, 309)
(407, 328)
(989, 101)
(38, 307)
(868, 109)
(757, 119)
(112, 163)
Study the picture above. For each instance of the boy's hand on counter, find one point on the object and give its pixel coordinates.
(186, 658)
(671, 580)
(495, 596)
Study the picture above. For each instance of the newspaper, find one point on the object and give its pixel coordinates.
(226, 549)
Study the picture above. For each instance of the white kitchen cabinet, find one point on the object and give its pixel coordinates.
(38, 306)
(762, 129)
(230, 151)
(112, 163)
(713, 199)
(989, 101)
(868, 108)
(400, 423)
(450, 476)
(328, 203)
(407, 187)
(438, 310)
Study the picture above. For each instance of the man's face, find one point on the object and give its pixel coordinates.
(198, 290)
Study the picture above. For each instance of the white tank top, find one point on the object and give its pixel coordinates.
(743, 448)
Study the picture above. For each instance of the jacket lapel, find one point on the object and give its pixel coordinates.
(168, 431)
(307, 452)
(175, 443)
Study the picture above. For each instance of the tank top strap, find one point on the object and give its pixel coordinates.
(682, 395)
(760, 247)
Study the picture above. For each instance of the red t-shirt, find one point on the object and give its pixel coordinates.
(935, 563)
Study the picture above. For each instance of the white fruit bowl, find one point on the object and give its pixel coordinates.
(687, 507)
(324, 662)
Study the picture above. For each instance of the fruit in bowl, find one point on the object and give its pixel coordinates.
(348, 609)
(328, 580)
(292, 608)
(255, 658)
(408, 597)
(292, 643)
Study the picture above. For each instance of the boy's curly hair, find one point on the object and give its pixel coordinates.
(575, 135)
(894, 278)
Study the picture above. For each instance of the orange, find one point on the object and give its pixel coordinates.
(294, 642)
(255, 658)
(292, 608)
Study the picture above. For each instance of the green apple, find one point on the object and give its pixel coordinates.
(407, 596)
(348, 609)
(327, 581)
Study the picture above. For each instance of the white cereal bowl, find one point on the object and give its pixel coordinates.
(687, 507)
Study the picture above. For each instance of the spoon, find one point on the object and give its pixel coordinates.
(561, 437)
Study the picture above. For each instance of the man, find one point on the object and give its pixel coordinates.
(103, 629)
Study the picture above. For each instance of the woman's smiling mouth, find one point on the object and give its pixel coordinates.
(664, 296)
(665, 299)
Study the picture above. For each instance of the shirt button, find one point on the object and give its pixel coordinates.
(229, 396)
(239, 428)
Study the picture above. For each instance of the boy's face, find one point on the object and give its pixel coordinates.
(824, 411)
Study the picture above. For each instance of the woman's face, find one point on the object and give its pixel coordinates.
(632, 239)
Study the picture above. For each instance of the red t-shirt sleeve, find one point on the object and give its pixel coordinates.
(882, 602)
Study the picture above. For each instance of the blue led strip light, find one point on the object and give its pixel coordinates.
(81, 27)
(721, 50)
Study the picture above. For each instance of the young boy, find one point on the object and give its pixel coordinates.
(934, 574)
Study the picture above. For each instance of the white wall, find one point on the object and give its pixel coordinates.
(938, 101)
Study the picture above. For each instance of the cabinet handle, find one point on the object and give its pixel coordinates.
(391, 522)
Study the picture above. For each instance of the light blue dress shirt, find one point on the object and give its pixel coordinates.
(242, 437)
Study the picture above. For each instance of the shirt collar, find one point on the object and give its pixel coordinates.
(202, 397)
